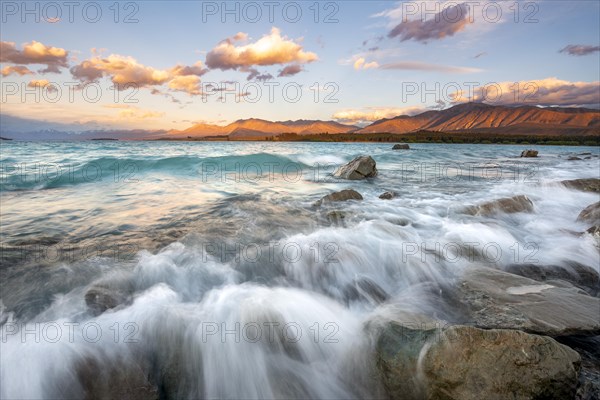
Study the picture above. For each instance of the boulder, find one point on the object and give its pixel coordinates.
(108, 294)
(336, 218)
(387, 195)
(499, 300)
(466, 363)
(585, 184)
(529, 153)
(582, 276)
(365, 289)
(344, 195)
(360, 168)
(594, 231)
(401, 146)
(507, 205)
(590, 214)
(573, 158)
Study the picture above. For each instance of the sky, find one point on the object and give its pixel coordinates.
(169, 65)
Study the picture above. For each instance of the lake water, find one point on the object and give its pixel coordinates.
(214, 241)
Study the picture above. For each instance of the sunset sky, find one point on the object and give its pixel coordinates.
(364, 60)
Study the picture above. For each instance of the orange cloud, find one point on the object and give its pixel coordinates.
(34, 53)
(271, 49)
(372, 114)
(126, 72)
(16, 69)
(43, 84)
(361, 63)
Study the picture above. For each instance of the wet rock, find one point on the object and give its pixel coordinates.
(401, 146)
(573, 158)
(500, 300)
(108, 294)
(582, 276)
(589, 375)
(529, 153)
(113, 379)
(590, 214)
(360, 168)
(585, 185)
(594, 231)
(507, 205)
(387, 195)
(365, 289)
(344, 195)
(464, 363)
(336, 218)
(584, 154)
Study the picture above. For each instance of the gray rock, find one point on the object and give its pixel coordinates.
(466, 363)
(507, 205)
(360, 168)
(584, 277)
(107, 294)
(344, 195)
(529, 153)
(585, 184)
(387, 195)
(590, 214)
(401, 146)
(500, 300)
(573, 158)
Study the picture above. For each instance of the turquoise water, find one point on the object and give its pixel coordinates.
(228, 232)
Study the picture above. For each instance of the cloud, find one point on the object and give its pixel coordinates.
(130, 112)
(189, 84)
(447, 22)
(271, 49)
(421, 66)
(290, 70)
(371, 114)
(579, 49)
(16, 69)
(361, 63)
(34, 53)
(43, 84)
(542, 92)
(125, 72)
(483, 53)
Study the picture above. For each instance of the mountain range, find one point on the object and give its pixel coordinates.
(463, 118)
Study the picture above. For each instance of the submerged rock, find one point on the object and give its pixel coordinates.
(500, 300)
(108, 294)
(529, 153)
(507, 205)
(590, 214)
(401, 146)
(365, 289)
(360, 168)
(573, 158)
(387, 195)
(344, 195)
(585, 184)
(466, 363)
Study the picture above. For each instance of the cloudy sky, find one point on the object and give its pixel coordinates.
(164, 65)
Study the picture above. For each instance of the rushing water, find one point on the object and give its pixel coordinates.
(219, 246)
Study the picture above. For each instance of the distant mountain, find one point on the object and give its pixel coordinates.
(254, 128)
(480, 117)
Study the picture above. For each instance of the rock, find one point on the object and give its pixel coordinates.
(401, 146)
(360, 168)
(590, 214)
(594, 231)
(365, 289)
(573, 158)
(584, 277)
(529, 153)
(584, 154)
(336, 218)
(507, 205)
(585, 185)
(344, 195)
(466, 363)
(108, 294)
(387, 195)
(589, 375)
(500, 300)
(113, 379)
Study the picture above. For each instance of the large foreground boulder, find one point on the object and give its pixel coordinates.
(500, 300)
(360, 168)
(344, 195)
(507, 205)
(529, 153)
(585, 184)
(466, 363)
